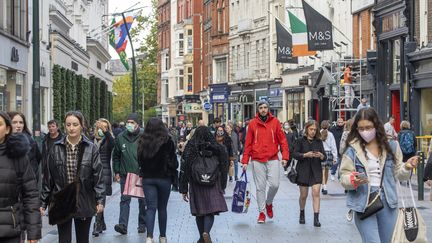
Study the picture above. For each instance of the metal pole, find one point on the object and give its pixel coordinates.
(36, 70)
(420, 175)
(134, 81)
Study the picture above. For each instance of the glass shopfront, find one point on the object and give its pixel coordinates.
(426, 112)
(296, 107)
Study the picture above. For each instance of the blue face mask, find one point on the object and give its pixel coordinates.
(130, 127)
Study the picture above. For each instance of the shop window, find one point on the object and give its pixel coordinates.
(189, 79)
(296, 107)
(221, 70)
(426, 112)
(396, 62)
(189, 42)
(180, 45)
(180, 78)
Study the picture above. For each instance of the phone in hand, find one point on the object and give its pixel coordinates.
(361, 176)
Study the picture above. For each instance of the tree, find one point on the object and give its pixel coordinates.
(121, 104)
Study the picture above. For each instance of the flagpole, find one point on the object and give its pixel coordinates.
(280, 21)
(134, 81)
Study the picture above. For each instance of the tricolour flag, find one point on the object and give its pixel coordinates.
(299, 35)
(319, 29)
(118, 39)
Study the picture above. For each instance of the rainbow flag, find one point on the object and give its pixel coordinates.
(118, 38)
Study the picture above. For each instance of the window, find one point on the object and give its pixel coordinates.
(13, 17)
(189, 42)
(180, 45)
(167, 64)
(99, 65)
(190, 79)
(74, 66)
(166, 90)
(246, 51)
(396, 62)
(257, 54)
(180, 78)
(221, 70)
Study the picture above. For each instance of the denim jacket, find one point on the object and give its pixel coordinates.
(354, 159)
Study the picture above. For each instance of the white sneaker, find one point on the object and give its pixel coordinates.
(149, 240)
(162, 240)
(286, 172)
(350, 215)
(332, 178)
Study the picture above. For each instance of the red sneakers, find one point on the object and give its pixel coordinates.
(261, 218)
(269, 209)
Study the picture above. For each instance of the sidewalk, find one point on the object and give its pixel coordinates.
(237, 228)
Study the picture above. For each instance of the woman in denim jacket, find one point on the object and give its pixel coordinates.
(367, 154)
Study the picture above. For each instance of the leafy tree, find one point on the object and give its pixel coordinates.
(122, 104)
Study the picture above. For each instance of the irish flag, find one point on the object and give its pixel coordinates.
(299, 37)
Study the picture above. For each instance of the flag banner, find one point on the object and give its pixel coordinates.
(284, 45)
(118, 39)
(319, 29)
(299, 37)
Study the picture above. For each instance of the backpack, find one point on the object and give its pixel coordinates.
(205, 169)
(406, 142)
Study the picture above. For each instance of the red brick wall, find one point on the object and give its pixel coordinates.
(197, 14)
(366, 33)
(207, 47)
(164, 38)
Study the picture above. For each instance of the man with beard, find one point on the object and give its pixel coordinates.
(264, 136)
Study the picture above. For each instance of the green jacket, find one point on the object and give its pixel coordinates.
(125, 153)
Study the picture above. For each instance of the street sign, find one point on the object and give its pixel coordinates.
(207, 106)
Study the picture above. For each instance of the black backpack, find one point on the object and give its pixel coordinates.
(205, 169)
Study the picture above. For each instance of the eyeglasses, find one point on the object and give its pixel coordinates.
(362, 129)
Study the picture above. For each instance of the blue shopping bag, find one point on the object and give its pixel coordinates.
(239, 196)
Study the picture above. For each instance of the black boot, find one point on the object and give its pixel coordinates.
(316, 220)
(97, 229)
(302, 217)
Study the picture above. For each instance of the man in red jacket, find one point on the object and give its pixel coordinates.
(263, 139)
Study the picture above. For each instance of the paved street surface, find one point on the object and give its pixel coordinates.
(231, 227)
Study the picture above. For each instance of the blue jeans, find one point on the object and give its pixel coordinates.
(236, 168)
(379, 227)
(335, 166)
(125, 207)
(157, 192)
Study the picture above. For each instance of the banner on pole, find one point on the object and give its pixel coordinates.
(319, 29)
(284, 45)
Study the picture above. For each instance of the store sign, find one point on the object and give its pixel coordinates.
(207, 106)
(192, 108)
(359, 5)
(15, 55)
(233, 99)
(246, 98)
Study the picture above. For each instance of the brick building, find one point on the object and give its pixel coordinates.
(164, 53)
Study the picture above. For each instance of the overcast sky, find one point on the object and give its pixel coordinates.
(116, 6)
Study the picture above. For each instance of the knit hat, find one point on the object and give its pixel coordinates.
(134, 117)
(262, 102)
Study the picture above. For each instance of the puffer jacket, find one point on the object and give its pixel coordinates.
(105, 149)
(92, 187)
(19, 196)
(34, 155)
(263, 140)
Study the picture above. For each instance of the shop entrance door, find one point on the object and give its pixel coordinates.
(248, 112)
(395, 108)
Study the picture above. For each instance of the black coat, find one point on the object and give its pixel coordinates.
(92, 187)
(18, 190)
(337, 133)
(164, 163)
(309, 169)
(290, 137)
(34, 155)
(428, 170)
(105, 150)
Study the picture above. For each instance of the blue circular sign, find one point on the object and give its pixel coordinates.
(207, 106)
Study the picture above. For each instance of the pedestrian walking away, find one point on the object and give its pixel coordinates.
(264, 137)
(74, 158)
(236, 146)
(331, 153)
(407, 141)
(19, 125)
(223, 139)
(205, 201)
(309, 151)
(290, 137)
(19, 195)
(371, 164)
(105, 141)
(337, 132)
(158, 168)
(125, 161)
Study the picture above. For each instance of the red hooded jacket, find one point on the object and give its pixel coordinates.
(263, 140)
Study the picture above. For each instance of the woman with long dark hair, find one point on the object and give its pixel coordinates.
(158, 162)
(74, 158)
(19, 196)
(105, 142)
(309, 151)
(371, 163)
(19, 125)
(205, 201)
(224, 139)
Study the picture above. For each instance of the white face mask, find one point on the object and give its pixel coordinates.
(368, 135)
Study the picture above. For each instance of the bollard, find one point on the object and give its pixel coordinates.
(420, 175)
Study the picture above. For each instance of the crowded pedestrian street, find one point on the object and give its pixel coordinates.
(242, 228)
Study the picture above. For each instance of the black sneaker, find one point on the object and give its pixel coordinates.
(324, 192)
(120, 228)
(230, 179)
(97, 229)
(141, 229)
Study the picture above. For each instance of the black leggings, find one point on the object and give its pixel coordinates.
(82, 230)
(204, 223)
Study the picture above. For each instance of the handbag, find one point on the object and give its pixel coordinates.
(239, 195)
(64, 203)
(410, 226)
(133, 186)
(292, 173)
(375, 203)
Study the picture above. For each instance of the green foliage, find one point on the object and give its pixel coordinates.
(57, 100)
(149, 114)
(122, 102)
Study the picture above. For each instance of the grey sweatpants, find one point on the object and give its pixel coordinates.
(266, 173)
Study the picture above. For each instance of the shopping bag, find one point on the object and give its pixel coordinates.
(133, 186)
(410, 226)
(239, 195)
